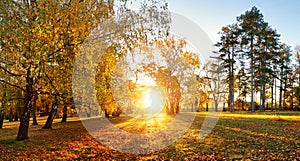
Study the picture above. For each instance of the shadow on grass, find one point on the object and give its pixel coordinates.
(233, 138)
(8, 141)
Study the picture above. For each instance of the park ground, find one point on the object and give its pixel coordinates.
(237, 136)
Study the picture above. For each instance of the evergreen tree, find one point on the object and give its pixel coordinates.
(250, 24)
(284, 63)
(229, 47)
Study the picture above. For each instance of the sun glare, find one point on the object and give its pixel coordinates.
(147, 99)
(154, 100)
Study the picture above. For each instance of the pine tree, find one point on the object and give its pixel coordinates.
(250, 24)
(284, 68)
(268, 41)
(229, 47)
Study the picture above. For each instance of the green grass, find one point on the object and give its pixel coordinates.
(8, 141)
(247, 136)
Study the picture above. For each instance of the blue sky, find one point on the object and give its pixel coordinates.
(211, 15)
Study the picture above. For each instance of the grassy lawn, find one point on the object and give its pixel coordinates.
(238, 136)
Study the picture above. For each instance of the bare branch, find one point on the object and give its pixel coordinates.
(11, 73)
(13, 85)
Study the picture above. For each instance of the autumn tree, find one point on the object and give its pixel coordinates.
(204, 91)
(178, 76)
(172, 89)
(104, 75)
(167, 64)
(102, 53)
(40, 33)
(182, 65)
(213, 79)
(58, 87)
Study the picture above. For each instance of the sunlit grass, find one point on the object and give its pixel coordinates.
(266, 115)
(237, 136)
(148, 124)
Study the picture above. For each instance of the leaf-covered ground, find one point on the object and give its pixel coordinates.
(247, 136)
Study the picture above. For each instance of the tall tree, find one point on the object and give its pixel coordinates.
(229, 47)
(284, 68)
(250, 24)
(268, 45)
(256, 45)
(297, 74)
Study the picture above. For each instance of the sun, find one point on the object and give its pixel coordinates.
(154, 100)
(147, 99)
(150, 97)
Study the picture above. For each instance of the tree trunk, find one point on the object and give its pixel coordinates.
(3, 104)
(261, 102)
(243, 105)
(245, 97)
(1, 118)
(252, 76)
(177, 108)
(216, 106)
(18, 108)
(275, 98)
(34, 121)
(272, 95)
(263, 84)
(24, 120)
(292, 95)
(231, 85)
(231, 94)
(284, 92)
(107, 114)
(280, 95)
(172, 106)
(16, 117)
(48, 124)
(263, 97)
(65, 114)
(262, 92)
